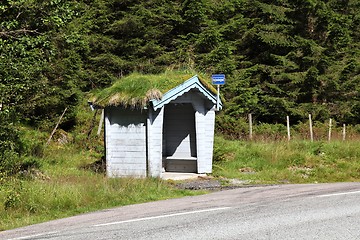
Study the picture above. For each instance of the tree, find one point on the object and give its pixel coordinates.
(29, 34)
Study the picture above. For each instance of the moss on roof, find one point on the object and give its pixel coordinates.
(136, 90)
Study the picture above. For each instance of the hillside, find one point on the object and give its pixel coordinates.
(281, 58)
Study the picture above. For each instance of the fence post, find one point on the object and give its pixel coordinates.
(288, 127)
(311, 129)
(329, 135)
(250, 127)
(344, 132)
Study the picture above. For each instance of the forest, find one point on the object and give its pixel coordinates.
(281, 57)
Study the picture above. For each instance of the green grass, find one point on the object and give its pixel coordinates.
(64, 188)
(60, 185)
(135, 90)
(39, 201)
(287, 162)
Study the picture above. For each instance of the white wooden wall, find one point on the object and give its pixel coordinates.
(155, 138)
(125, 142)
(205, 123)
(135, 145)
(204, 130)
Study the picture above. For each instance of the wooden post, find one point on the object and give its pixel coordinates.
(311, 129)
(250, 127)
(92, 124)
(344, 132)
(101, 122)
(52, 133)
(330, 125)
(288, 127)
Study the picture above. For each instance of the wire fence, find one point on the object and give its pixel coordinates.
(247, 129)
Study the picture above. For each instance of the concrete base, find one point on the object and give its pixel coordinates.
(180, 176)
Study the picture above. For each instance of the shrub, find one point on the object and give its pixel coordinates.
(265, 131)
(18, 153)
(10, 143)
(231, 127)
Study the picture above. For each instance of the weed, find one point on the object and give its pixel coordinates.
(69, 189)
(288, 162)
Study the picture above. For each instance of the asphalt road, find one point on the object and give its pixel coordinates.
(313, 211)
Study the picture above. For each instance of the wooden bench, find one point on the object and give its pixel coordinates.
(180, 164)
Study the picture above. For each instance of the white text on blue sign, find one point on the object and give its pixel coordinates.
(218, 79)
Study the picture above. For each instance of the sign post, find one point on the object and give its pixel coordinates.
(218, 79)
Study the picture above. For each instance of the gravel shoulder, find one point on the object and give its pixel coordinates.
(211, 184)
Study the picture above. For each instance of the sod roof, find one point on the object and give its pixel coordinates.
(136, 90)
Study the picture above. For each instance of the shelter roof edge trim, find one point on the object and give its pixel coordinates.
(178, 91)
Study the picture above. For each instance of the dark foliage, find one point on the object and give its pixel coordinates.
(280, 57)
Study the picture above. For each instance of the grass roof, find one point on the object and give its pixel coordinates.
(136, 90)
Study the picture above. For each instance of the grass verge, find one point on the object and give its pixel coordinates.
(64, 188)
(60, 185)
(287, 162)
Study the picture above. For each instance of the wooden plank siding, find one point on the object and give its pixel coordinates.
(155, 144)
(205, 127)
(188, 147)
(125, 142)
(177, 136)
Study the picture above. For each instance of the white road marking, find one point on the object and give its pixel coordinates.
(339, 194)
(161, 216)
(32, 236)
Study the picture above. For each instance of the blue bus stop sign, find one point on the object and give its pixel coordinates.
(218, 79)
